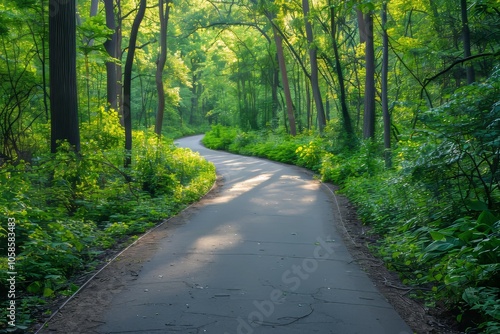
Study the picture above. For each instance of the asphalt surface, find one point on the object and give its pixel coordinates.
(261, 257)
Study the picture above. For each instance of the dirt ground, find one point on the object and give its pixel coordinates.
(82, 314)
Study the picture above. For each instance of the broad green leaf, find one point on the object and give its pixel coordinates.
(437, 236)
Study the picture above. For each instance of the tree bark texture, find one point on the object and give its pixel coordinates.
(471, 76)
(111, 48)
(346, 118)
(164, 11)
(385, 94)
(127, 82)
(284, 80)
(369, 114)
(62, 62)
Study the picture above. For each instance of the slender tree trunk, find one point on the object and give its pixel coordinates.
(471, 76)
(385, 101)
(127, 82)
(111, 48)
(284, 81)
(346, 118)
(119, 56)
(62, 62)
(369, 115)
(164, 9)
(361, 26)
(313, 51)
(274, 94)
(309, 106)
(94, 7)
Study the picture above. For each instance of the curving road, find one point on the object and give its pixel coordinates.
(262, 256)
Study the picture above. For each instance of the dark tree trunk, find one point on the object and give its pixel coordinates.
(62, 62)
(346, 118)
(369, 115)
(111, 48)
(471, 76)
(127, 83)
(385, 101)
(361, 26)
(284, 81)
(274, 94)
(119, 55)
(164, 10)
(313, 51)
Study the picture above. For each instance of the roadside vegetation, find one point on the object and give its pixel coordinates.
(71, 208)
(436, 211)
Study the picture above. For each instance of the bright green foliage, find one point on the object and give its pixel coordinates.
(69, 207)
(220, 137)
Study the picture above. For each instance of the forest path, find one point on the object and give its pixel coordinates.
(260, 255)
(263, 256)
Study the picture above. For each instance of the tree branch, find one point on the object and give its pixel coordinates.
(455, 63)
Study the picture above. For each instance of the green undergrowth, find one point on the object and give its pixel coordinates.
(68, 209)
(437, 210)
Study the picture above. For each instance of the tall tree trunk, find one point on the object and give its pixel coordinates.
(346, 118)
(313, 51)
(119, 56)
(385, 101)
(127, 82)
(111, 48)
(62, 62)
(471, 76)
(274, 94)
(309, 106)
(369, 115)
(284, 80)
(94, 7)
(164, 10)
(361, 26)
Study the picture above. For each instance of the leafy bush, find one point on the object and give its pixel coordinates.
(219, 137)
(311, 155)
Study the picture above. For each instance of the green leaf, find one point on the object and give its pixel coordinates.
(48, 292)
(487, 218)
(437, 236)
(439, 246)
(476, 205)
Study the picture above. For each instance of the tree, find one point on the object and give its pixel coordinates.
(471, 77)
(369, 114)
(164, 11)
(111, 46)
(313, 51)
(278, 40)
(62, 62)
(346, 118)
(385, 102)
(284, 81)
(127, 82)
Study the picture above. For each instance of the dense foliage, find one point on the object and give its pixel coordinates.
(437, 211)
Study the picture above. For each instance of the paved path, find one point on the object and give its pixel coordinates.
(261, 257)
